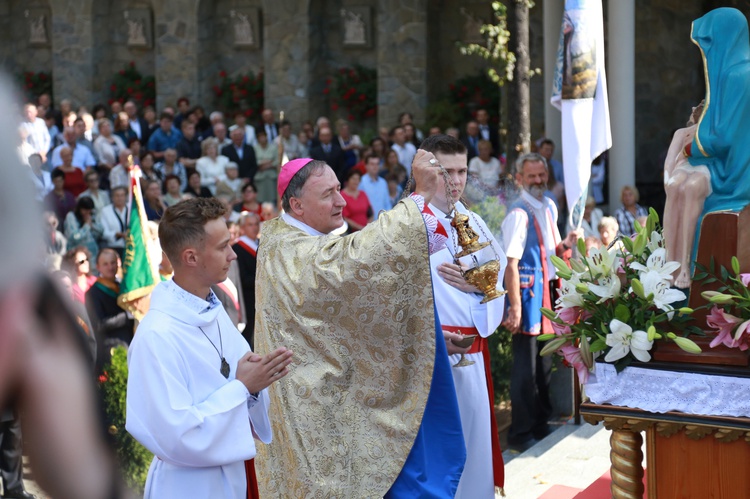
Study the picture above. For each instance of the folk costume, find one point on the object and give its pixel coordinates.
(198, 423)
(460, 311)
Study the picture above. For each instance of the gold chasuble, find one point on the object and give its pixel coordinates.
(357, 311)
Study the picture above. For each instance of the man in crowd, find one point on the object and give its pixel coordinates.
(472, 138)
(37, 132)
(246, 249)
(240, 121)
(170, 166)
(189, 147)
(370, 409)
(98, 196)
(163, 138)
(269, 125)
(194, 383)
(82, 157)
(531, 238)
(461, 313)
(139, 125)
(404, 149)
(241, 153)
(329, 151)
(375, 186)
(115, 221)
(220, 132)
(488, 131)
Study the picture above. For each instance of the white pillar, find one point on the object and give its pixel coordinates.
(553, 12)
(621, 83)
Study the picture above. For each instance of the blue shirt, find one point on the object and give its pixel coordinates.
(82, 157)
(160, 141)
(377, 193)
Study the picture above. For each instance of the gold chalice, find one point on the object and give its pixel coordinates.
(484, 277)
(464, 342)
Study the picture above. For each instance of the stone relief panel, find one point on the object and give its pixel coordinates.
(38, 22)
(139, 29)
(246, 27)
(356, 25)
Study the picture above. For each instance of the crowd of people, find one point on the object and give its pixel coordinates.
(79, 163)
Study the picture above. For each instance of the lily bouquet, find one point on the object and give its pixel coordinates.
(613, 300)
(730, 314)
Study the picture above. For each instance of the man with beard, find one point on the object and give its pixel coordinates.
(531, 237)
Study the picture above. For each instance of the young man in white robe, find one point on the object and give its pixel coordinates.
(196, 392)
(461, 313)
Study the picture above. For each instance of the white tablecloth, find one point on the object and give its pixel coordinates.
(659, 391)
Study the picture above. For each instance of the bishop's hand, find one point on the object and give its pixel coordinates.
(257, 372)
(425, 174)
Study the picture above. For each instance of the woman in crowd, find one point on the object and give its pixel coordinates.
(608, 229)
(135, 146)
(195, 188)
(485, 166)
(392, 166)
(350, 143)
(591, 218)
(230, 184)
(107, 146)
(81, 228)
(59, 200)
(77, 263)
(378, 148)
(249, 200)
(74, 181)
(122, 127)
(357, 212)
(267, 155)
(152, 201)
(173, 195)
(211, 164)
(147, 169)
(630, 210)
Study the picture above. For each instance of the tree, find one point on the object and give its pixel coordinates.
(508, 52)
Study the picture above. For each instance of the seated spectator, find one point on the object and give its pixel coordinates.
(221, 134)
(268, 211)
(350, 143)
(241, 153)
(249, 200)
(123, 129)
(77, 263)
(194, 188)
(240, 121)
(189, 146)
(394, 167)
(81, 228)
(110, 322)
(59, 200)
(98, 196)
(591, 218)
(107, 147)
(152, 201)
(486, 167)
(357, 212)
(267, 156)
(82, 157)
(170, 166)
(174, 192)
(608, 229)
(115, 221)
(41, 178)
(630, 210)
(375, 186)
(289, 144)
(592, 242)
(148, 172)
(230, 184)
(74, 181)
(120, 174)
(136, 149)
(379, 148)
(165, 137)
(211, 165)
(56, 244)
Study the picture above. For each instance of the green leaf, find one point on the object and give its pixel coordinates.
(735, 265)
(724, 273)
(598, 345)
(621, 364)
(622, 313)
(700, 276)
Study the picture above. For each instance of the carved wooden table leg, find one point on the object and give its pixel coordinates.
(626, 457)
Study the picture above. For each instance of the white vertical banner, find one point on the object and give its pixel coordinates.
(580, 93)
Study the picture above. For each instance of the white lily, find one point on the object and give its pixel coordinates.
(656, 241)
(657, 262)
(608, 287)
(569, 296)
(601, 261)
(624, 340)
(654, 282)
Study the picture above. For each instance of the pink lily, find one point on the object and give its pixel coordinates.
(572, 355)
(724, 323)
(745, 278)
